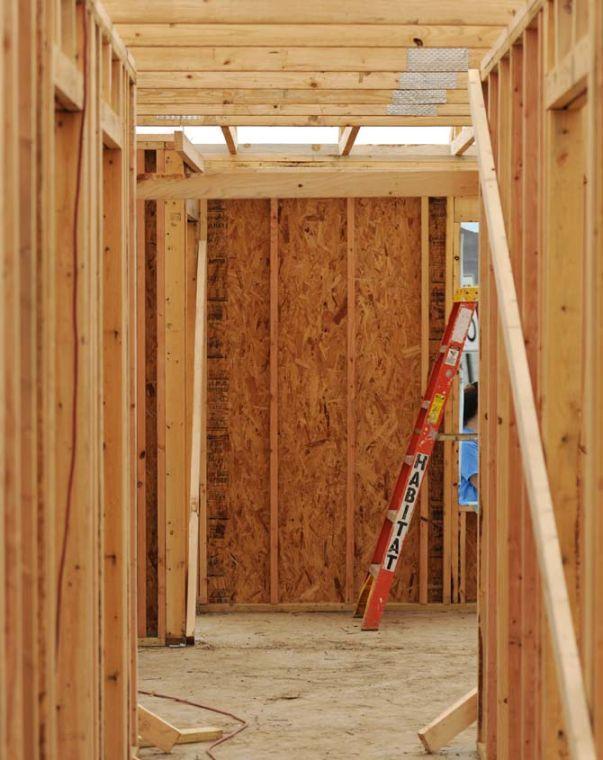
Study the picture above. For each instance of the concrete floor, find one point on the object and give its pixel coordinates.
(314, 686)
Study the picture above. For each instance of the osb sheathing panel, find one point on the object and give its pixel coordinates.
(312, 356)
(471, 557)
(312, 399)
(238, 401)
(388, 370)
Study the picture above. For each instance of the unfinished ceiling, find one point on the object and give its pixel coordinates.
(257, 62)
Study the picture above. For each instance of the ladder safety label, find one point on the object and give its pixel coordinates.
(436, 408)
(462, 325)
(452, 357)
(405, 511)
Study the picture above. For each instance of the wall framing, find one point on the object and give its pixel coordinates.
(542, 85)
(68, 658)
(267, 241)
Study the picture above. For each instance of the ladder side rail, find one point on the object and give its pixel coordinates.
(554, 587)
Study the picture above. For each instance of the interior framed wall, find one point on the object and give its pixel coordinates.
(543, 87)
(67, 676)
(323, 315)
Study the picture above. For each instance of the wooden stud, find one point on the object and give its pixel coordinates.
(351, 402)
(116, 512)
(199, 369)
(274, 431)
(175, 439)
(203, 595)
(531, 255)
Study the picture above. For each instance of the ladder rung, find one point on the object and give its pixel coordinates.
(391, 515)
(425, 403)
(409, 459)
(374, 570)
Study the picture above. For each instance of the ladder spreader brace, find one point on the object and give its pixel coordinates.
(375, 589)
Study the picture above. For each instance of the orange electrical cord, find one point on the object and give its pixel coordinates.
(183, 701)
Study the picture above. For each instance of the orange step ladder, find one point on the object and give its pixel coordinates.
(377, 584)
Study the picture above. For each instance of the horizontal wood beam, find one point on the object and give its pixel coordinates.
(68, 82)
(112, 126)
(188, 152)
(462, 142)
(445, 12)
(392, 180)
(311, 109)
(309, 80)
(347, 138)
(307, 35)
(302, 121)
(287, 59)
(216, 155)
(568, 80)
(198, 96)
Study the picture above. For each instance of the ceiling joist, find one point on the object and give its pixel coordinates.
(380, 12)
(309, 35)
(261, 62)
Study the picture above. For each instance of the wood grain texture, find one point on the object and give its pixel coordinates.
(388, 335)
(238, 401)
(312, 400)
(315, 493)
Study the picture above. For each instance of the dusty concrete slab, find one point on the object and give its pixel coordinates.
(314, 686)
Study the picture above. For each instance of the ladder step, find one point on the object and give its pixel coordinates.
(391, 515)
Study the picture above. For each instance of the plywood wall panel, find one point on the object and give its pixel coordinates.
(312, 400)
(312, 245)
(388, 347)
(238, 401)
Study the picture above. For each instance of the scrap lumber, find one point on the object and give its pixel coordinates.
(155, 730)
(450, 723)
(192, 736)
